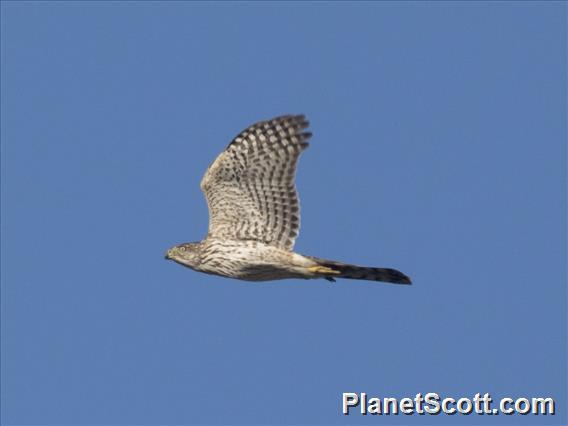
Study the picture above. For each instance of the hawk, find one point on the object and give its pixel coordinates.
(254, 213)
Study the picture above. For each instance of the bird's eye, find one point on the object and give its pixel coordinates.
(182, 248)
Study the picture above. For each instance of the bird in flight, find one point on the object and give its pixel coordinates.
(254, 213)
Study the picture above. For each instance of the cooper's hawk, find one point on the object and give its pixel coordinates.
(254, 214)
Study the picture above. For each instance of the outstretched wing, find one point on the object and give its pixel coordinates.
(250, 188)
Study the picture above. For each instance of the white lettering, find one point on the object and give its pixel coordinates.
(363, 398)
(406, 406)
(349, 400)
(433, 403)
(390, 405)
(418, 400)
(543, 406)
(503, 406)
(445, 403)
(374, 406)
(468, 406)
(519, 403)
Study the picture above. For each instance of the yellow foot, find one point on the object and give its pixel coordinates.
(322, 270)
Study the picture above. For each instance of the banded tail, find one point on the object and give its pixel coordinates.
(330, 269)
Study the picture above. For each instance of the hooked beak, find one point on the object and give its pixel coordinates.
(167, 256)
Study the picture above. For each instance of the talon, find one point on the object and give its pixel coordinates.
(322, 270)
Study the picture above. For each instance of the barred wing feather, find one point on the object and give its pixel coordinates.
(250, 187)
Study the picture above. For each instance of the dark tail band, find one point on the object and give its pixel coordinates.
(354, 272)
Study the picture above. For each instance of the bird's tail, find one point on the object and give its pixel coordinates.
(330, 269)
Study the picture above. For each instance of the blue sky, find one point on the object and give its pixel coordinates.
(439, 148)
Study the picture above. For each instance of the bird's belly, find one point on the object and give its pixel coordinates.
(253, 261)
(263, 272)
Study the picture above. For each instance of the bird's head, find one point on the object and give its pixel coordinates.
(187, 254)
